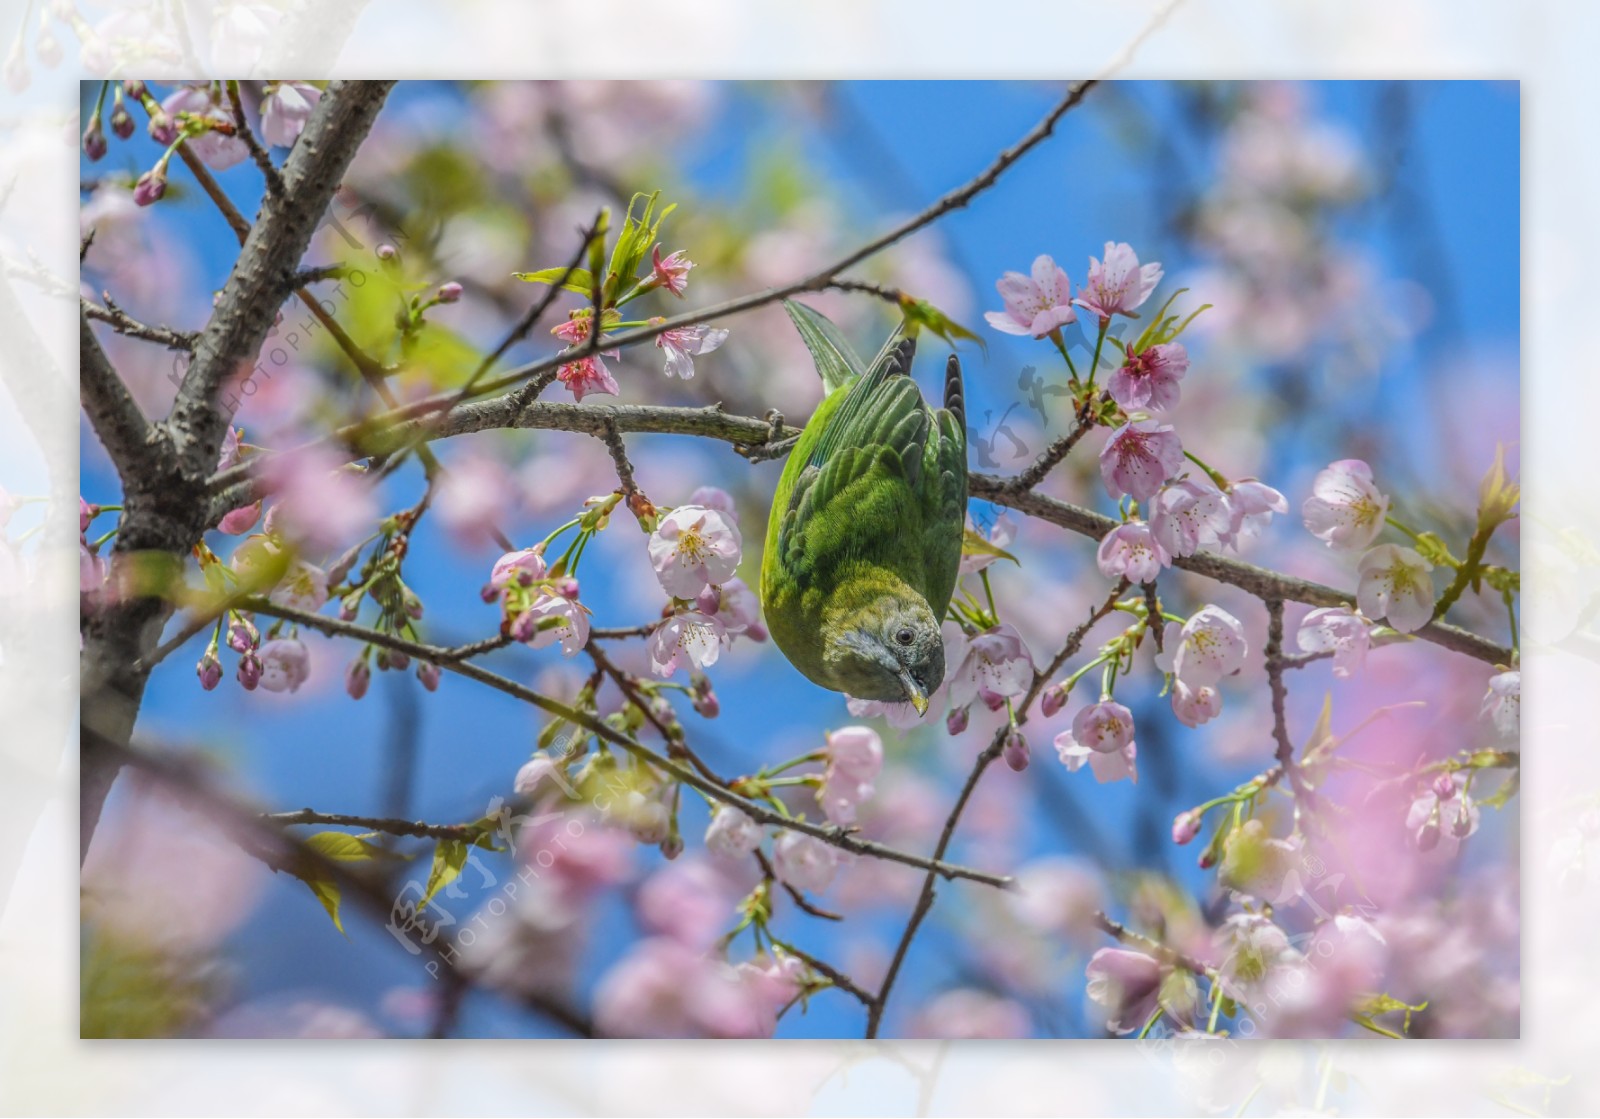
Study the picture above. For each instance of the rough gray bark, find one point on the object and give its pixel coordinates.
(164, 475)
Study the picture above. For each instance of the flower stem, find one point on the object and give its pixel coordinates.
(1055, 336)
(1148, 1026)
(1100, 339)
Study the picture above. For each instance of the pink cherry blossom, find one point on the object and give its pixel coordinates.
(323, 504)
(1106, 726)
(1337, 630)
(554, 618)
(1139, 457)
(1345, 509)
(217, 150)
(710, 497)
(304, 586)
(856, 751)
(1256, 863)
(1189, 514)
(1209, 646)
(663, 988)
(285, 664)
(670, 272)
(732, 833)
(805, 862)
(1035, 305)
(1442, 815)
(736, 606)
(996, 661)
(472, 496)
(1127, 984)
(691, 637)
(285, 109)
(522, 568)
(1119, 284)
(1395, 585)
(1254, 953)
(587, 375)
(1107, 766)
(686, 343)
(693, 546)
(689, 900)
(1502, 705)
(1251, 505)
(1130, 551)
(1194, 706)
(1148, 379)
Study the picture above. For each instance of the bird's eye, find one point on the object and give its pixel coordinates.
(905, 636)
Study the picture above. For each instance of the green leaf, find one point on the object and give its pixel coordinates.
(449, 857)
(921, 313)
(339, 847)
(581, 280)
(973, 544)
(836, 362)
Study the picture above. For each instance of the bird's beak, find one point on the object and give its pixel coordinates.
(918, 700)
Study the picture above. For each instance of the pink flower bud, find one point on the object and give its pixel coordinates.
(399, 661)
(413, 604)
(387, 252)
(249, 671)
(151, 186)
(992, 699)
(161, 127)
(1185, 826)
(567, 587)
(429, 675)
(672, 846)
(87, 511)
(48, 47)
(350, 606)
(956, 721)
(121, 121)
(209, 670)
(134, 89)
(1428, 836)
(450, 292)
(1053, 700)
(357, 677)
(94, 140)
(243, 635)
(1015, 750)
(1444, 786)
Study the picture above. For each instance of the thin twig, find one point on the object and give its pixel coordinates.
(414, 829)
(834, 837)
(124, 323)
(1069, 649)
(269, 170)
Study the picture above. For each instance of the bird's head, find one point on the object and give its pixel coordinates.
(892, 651)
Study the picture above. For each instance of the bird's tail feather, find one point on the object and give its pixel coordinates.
(955, 400)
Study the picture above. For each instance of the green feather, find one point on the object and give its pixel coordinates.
(871, 506)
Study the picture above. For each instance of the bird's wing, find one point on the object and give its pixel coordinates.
(944, 493)
(858, 495)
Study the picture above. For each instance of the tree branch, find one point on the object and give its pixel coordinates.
(1069, 648)
(122, 428)
(272, 249)
(411, 829)
(834, 837)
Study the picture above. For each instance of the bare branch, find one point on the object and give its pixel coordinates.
(124, 323)
(835, 837)
(122, 428)
(411, 829)
(272, 250)
(1069, 649)
(241, 124)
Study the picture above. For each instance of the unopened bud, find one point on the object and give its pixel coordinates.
(357, 677)
(94, 140)
(249, 671)
(429, 675)
(1015, 750)
(387, 252)
(151, 185)
(209, 670)
(121, 121)
(1053, 700)
(1185, 826)
(450, 292)
(1428, 835)
(672, 846)
(956, 721)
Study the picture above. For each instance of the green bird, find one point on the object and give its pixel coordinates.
(864, 542)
